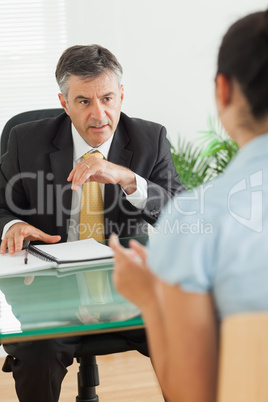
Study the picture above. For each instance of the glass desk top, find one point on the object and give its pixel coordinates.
(56, 304)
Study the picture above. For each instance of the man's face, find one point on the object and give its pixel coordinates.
(94, 106)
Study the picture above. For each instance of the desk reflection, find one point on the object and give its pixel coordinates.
(50, 300)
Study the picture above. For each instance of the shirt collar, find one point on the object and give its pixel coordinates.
(81, 147)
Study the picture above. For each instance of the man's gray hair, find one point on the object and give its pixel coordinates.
(86, 62)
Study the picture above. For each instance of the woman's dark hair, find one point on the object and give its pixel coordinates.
(243, 55)
(86, 62)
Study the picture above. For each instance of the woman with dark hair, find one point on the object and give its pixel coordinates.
(209, 257)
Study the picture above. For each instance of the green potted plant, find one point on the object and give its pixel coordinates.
(200, 162)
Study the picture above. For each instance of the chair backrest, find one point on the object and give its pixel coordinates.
(23, 118)
(243, 367)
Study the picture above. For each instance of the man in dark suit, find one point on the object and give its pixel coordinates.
(43, 172)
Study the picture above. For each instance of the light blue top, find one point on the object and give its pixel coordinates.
(215, 238)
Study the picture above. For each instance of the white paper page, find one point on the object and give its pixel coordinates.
(88, 249)
(14, 264)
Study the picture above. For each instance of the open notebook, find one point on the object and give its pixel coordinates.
(88, 253)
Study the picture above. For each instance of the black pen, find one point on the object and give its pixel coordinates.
(26, 256)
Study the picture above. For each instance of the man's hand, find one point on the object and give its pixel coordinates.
(132, 277)
(102, 171)
(13, 240)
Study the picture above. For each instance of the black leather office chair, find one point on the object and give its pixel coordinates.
(95, 345)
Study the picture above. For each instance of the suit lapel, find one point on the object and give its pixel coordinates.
(118, 153)
(61, 164)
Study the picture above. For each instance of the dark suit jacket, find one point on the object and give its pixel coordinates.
(33, 185)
